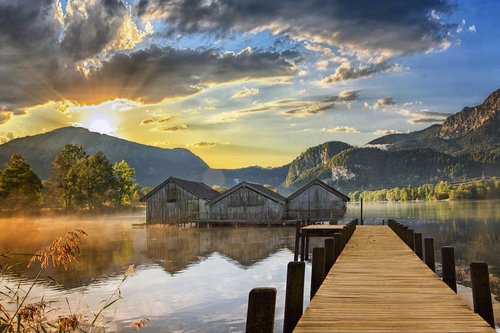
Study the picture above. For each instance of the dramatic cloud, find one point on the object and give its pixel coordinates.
(156, 120)
(310, 110)
(245, 92)
(386, 132)
(204, 144)
(347, 72)
(381, 103)
(424, 116)
(345, 129)
(174, 128)
(394, 27)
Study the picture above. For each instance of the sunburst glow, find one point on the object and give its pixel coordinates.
(102, 126)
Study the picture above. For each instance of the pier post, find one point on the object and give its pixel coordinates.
(338, 245)
(329, 254)
(404, 234)
(294, 299)
(410, 238)
(343, 233)
(448, 264)
(361, 217)
(297, 241)
(429, 253)
(418, 245)
(261, 307)
(481, 293)
(318, 269)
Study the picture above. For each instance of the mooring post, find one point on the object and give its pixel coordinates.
(399, 227)
(361, 217)
(297, 241)
(343, 233)
(294, 299)
(481, 294)
(261, 307)
(338, 245)
(410, 238)
(429, 253)
(318, 269)
(418, 245)
(329, 254)
(404, 234)
(448, 265)
(307, 248)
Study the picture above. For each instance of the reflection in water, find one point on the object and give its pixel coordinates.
(198, 279)
(174, 248)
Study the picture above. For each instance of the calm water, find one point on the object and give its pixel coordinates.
(198, 279)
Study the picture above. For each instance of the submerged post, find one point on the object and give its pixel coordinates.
(329, 254)
(418, 245)
(318, 269)
(448, 264)
(429, 253)
(481, 293)
(261, 307)
(294, 299)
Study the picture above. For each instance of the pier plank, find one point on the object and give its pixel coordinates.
(379, 285)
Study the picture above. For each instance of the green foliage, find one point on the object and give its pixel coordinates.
(63, 162)
(476, 190)
(125, 185)
(20, 187)
(92, 179)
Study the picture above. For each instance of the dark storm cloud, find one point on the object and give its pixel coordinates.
(398, 26)
(40, 52)
(156, 73)
(92, 27)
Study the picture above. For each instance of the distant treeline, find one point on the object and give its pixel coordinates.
(77, 181)
(476, 190)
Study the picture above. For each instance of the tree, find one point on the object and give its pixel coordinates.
(92, 178)
(61, 166)
(20, 187)
(125, 185)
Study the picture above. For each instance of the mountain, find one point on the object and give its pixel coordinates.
(466, 145)
(152, 164)
(312, 159)
(474, 131)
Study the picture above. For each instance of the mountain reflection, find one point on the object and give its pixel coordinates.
(176, 248)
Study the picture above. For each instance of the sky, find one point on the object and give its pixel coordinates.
(243, 82)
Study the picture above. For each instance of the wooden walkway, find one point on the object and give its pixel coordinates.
(379, 285)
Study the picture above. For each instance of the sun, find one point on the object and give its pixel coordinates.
(102, 126)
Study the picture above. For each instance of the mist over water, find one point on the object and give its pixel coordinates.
(198, 279)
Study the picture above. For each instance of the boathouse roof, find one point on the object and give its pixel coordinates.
(316, 181)
(201, 190)
(255, 187)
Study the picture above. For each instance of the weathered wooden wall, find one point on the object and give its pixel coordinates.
(316, 203)
(185, 207)
(248, 205)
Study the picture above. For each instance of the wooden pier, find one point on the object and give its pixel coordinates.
(378, 284)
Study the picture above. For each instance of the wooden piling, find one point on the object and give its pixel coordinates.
(297, 241)
(410, 238)
(260, 313)
(307, 248)
(294, 299)
(448, 265)
(404, 234)
(418, 245)
(318, 269)
(329, 254)
(338, 245)
(481, 294)
(429, 253)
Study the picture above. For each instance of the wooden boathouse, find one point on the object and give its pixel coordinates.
(178, 200)
(248, 202)
(316, 201)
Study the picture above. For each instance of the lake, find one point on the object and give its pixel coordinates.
(198, 279)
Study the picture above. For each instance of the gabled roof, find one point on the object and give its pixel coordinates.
(201, 190)
(316, 181)
(255, 187)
